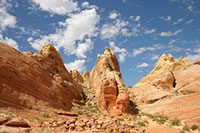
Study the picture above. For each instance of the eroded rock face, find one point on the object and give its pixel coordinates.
(106, 80)
(172, 88)
(35, 80)
(76, 76)
(86, 79)
(166, 63)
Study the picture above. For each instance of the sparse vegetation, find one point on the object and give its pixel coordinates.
(45, 115)
(120, 118)
(160, 119)
(188, 92)
(194, 127)
(186, 128)
(175, 122)
(141, 123)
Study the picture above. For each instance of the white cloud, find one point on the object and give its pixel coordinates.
(85, 4)
(112, 30)
(6, 19)
(190, 8)
(113, 15)
(190, 21)
(172, 41)
(136, 18)
(122, 51)
(169, 33)
(167, 18)
(178, 21)
(124, 1)
(83, 48)
(77, 30)
(149, 31)
(193, 58)
(76, 65)
(61, 7)
(9, 41)
(141, 50)
(155, 57)
(142, 65)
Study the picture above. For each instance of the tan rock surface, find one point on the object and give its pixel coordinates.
(38, 81)
(86, 79)
(188, 79)
(76, 76)
(106, 80)
(165, 63)
(185, 107)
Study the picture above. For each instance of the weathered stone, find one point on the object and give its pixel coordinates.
(66, 113)
(77, 76)
(106, 80)
(17, 122)
(86, 79)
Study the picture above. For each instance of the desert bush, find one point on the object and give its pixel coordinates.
(175, 122)
(194, 127)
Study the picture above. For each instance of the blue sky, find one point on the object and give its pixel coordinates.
(139, 31)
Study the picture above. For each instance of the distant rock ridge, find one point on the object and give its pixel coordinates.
(169, 89)
(105, 78)
(36, 80)
(165, 63)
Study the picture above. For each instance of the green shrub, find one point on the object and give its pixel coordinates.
(186, 128)
(120, 119)
(175, 122)
(194, 127)
(188, 92)
(45, 114)
(140, 123)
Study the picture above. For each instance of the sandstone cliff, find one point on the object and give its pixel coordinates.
(35, 80)
(106, 80)
(76, 76)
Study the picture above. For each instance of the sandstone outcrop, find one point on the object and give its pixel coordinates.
(35, 80)
(86, 79)
(166, 63)
(106, 80)
(76, 76)
(171, 88)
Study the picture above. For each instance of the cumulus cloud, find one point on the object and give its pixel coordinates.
(172, 41)
(113, 15)
(178, 21)
(142, 65)
(169, 33)
(76, 30)
(149, 31)
(113, 29)
(60, 7)
(141, 50)
(9, 41)
(122, 51)
(6, 19)
(83, 48)
(76, 65)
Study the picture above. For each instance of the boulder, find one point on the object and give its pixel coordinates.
(17, 122)
(106, 80)
(37, 81)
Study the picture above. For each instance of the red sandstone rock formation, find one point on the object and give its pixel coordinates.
(106, 79)
(35, 80)
(76, 76)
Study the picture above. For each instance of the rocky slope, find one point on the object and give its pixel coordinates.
(35, 80)
(169, 89)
